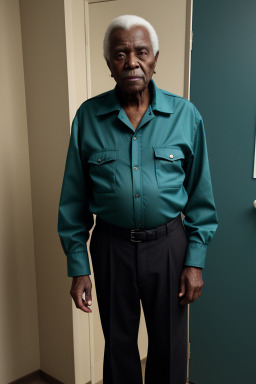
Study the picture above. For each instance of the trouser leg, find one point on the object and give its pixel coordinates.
(160, 265)
(114, 267)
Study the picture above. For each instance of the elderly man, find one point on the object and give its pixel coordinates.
(137, 158)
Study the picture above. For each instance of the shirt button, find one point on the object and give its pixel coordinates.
(171, 156)
(134, 138)
(99, 160)
(137, 195)
(135, 168)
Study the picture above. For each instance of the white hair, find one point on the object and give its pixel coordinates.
(126, 22)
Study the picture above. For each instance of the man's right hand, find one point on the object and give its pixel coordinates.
(81, 284)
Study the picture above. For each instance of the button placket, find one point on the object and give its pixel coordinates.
(136, 176)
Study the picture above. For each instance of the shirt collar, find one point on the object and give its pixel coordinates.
(161, 102)
(110, 103)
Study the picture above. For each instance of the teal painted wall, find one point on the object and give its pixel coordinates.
(223, 88)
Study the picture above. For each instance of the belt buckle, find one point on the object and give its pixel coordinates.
(132, 239)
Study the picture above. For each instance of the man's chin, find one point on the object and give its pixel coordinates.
(133, 88)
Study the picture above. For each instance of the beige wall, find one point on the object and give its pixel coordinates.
(45, 71)
(19, 343)
(39, 326)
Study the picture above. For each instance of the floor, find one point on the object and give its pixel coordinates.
(38, 381)
(41, 381)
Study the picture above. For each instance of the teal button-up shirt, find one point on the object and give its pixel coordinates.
(136, 178)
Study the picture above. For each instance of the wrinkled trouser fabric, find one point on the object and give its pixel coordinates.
(126, 273)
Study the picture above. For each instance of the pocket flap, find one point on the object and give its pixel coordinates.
(169, 153)
(102, 157)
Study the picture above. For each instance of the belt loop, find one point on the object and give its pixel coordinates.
(166, 228)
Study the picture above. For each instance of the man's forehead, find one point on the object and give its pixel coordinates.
(136, 35)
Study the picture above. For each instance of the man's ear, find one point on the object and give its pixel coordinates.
(108, 64)
(156, 56)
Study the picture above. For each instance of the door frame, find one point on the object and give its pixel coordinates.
(72, 104)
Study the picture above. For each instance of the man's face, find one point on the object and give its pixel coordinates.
(132, 61)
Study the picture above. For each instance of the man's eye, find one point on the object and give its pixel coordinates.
(142, 52)
(120, 55)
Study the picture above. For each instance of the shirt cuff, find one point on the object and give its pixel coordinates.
(196, 255)
(78, 264)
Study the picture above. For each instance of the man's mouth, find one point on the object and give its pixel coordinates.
(132, 78)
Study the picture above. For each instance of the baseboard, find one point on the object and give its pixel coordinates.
(49, 378)
(36, 375)
(27, 378)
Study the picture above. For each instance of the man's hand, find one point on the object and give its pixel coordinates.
(81, 284)
(191, 284)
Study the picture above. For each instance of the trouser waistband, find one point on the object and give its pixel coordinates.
(139, 235)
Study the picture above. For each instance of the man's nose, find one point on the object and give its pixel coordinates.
(131, 61)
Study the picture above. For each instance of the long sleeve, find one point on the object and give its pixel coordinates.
(74, 217)
(201, 219)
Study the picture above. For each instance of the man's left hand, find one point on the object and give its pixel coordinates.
(191, 284)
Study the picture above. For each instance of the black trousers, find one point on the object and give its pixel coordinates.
(125, 273)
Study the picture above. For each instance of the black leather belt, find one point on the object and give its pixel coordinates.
(138, 235)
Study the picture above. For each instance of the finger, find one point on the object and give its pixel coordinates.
(188, 298)
(182, 289)
(197, 294)
(185, 301)
(88, 296)
(86, 304)
(192, 296)
(81, 304)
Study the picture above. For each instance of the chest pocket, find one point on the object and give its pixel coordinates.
(102, 170)
(168, 166)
